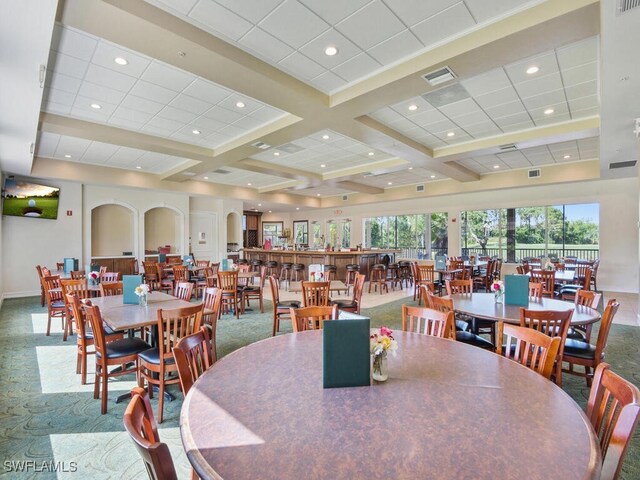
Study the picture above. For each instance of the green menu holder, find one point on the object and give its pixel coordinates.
(345, 353)
(441, 262)
(516, 290)
(129, 284)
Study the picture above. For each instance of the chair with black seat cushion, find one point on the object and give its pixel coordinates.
(445, 305)
(156, 364)
(119, 352)
(280, 308)
(354, 304)
(594, 274)
(202, 281)
(581, 352)
(55, 303)
(529, 347)
(552, 323)
(535, 291)
(587, 298)
(613, 409)
(231, 294)
(548, 280)
(315, 294)
(378, 277)
(256, 291)
(141, 425)
(485, 277)
(568, 292)
(78, 287)
(426, 274)
(212, 301)
(164, 282)
(428, 322)
(312, 318)
(42, 294)
(192, 355)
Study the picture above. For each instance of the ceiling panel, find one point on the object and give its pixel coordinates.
(242, 178)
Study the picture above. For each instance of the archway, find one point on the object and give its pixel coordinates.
(234, 232)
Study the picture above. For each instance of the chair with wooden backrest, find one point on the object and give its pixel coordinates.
(354, 304)
(548, 280)
(581, 352)
(312, 318)
(211, 299)
(183, 291)
(109, 277)
(201, 282)
(315, 294)
(479, 325)
(141, 425)
(613, 409)
(73, 286)
(151, 275)
(535, 291)
(42, 295)
(59, 266)
(428, 321)
(192, 355)
(552, 323)
(427, 275)
(108, 289)
(119, 352)
(568, 292)
(156, 364)
(445, 305)
(459, 286)
(164, 283)
(77, 274)
(425, 288)
(55, 302)
(84, 337)
(280, 308)
(587, 298)
(484, 278)
(231, 295)
(378, 278)
(594, 273)
(202, 263)
(528, 347)
(256, 291)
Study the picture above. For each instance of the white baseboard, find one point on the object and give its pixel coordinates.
(28, 293)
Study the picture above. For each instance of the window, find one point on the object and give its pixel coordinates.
(417, 235)
(272, 231)
(339, 233)
(518, 233)
(301, 232)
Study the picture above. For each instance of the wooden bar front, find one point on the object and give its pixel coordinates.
(365, 258)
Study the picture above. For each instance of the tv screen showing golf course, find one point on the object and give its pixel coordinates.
(24, 199)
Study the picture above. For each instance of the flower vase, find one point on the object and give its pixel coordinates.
(379, 370)
(498, 296)
(142, 300)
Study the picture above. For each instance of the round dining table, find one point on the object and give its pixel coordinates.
(483, 305)
(447, 411)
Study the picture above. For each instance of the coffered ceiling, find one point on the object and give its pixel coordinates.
(203, 95)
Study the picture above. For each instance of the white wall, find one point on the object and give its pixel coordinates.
(618, 201)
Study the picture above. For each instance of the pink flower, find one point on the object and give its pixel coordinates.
(385, 331)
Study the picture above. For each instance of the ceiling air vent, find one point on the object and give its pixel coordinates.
(508, 147)
(290, 148)
(534, 173)
(439, 76)
(419, 188)
(629, 163)
(626, 5)
(344, 198)
(261, 145)
(221, 171)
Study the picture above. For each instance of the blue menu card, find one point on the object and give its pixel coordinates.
(129, 284)
(516, 290)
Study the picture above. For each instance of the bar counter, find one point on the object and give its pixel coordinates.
(365, 258)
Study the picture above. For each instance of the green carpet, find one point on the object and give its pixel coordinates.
(47, 416)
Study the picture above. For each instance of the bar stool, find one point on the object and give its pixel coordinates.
(297, 271)
(393, 275)
(272, 268)
(285, 272)
(378, 276)
(330, 272)
(242, 261)
(352, 270)
(405, 272)
(256, 264)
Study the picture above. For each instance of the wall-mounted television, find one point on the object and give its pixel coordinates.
(25, 199)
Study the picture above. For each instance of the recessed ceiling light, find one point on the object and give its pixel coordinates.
(249, 184)
(496, 166)
(330, 50)
(413, 107)
(317, 194)
(432, 176)
(389, 183)
(120, 61)
(548, 111)
(96, 106)
(371, 154)
(259, 204)
(325, 137)
(206, 178)
(410, 168)
(269, 211)
(276, 154)
(67, 156)
(297, 208)
(450, 134)
(139, 167)
(567, 156)
(322, 165)
(196, 132)
(240, 104)
(533, 69)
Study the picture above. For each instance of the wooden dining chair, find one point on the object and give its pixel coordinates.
(231, 294)
(123, 352)
(485, 277)
(109, 277)
(256, 291)
(192, 355)
(587, 298)
(535, 291)
(354, 304)
(108, 289)
(312, 318)
(151, 275)
(157, 366)
(162, 282)
(461, 334)
(42, 294)
(183, 290)
(581, 352)
(426, 275)
(459, 286)
(203, 263)
(568, 292)
(529, 347)
(428, 321)
(201, 282)
(281, 309)
(211, 301)
(315, 294)
(553, 323)
(141, 425)
(72, 286)
(548, 280)
(613, 409)
(56, 307)
(78, 274)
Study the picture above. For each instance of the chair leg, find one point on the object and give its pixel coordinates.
(160, 398)
(276, 326)
(83, 369)
(261, 305)
(104, 391)
(96, 383)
